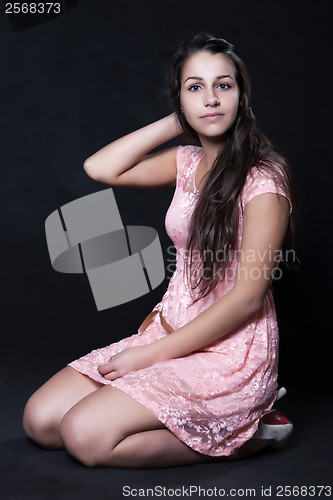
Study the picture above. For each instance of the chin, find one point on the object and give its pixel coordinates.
(213, 135)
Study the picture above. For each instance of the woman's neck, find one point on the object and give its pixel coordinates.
(211, 151)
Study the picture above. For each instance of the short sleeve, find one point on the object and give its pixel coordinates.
(260, 181)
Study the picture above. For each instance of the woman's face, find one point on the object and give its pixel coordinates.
(209, 94)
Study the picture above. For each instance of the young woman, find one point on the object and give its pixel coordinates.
(194, 383)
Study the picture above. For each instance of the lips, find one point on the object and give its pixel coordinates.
(212, 116)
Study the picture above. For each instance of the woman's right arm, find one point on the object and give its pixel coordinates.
(125, 162)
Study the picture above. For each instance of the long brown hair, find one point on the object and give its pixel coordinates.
(243, 148)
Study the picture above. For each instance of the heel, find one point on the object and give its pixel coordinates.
(274, 426)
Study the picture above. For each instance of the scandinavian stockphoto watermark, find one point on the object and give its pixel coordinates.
(246, 264)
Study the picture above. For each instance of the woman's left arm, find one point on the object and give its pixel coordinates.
(265, 223)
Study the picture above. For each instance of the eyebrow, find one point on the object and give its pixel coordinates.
(199, 77)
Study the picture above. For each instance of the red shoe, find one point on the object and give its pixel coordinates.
(274, 426)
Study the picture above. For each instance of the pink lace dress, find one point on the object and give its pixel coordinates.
(211, 399)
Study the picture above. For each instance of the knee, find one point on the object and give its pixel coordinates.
(79, 439)
(39, 423)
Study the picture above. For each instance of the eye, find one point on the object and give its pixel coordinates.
(194, 87)
(224, 86)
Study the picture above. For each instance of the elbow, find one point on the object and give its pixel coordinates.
(253, 304)
(248, 300)
(91, 170)
(249, 304)
(98, 172)
(88, 168)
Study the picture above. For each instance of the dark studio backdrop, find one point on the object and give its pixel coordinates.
(70, 86)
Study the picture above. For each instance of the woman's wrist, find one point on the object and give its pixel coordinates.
(165, 348)
(155, 353)
(161, 131)
(174, 125)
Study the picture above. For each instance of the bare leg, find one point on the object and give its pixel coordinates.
(110, 429)
(47, 406)
(103, 426)
(154, 449)
(161, 448)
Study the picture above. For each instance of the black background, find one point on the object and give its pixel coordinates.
(70, 86)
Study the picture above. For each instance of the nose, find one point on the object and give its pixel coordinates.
(211, 100)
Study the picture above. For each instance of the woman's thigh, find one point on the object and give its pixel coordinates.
(94, 427)
(48, 405)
